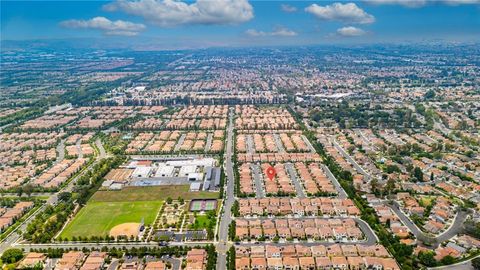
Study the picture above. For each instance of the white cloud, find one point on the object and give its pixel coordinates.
(347, 13)
(167, 13)
(118, 28)
(350, 31)
(288, 8)
(461, 2)
(405, 3)
(421, 3)
(278, 32)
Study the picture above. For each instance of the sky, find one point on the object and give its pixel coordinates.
(207, 23)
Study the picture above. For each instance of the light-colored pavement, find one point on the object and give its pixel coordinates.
(90, 245)
(341, 192)
(208, 145)
(257, 178)
(222, 245)
(465, 265)
(309, 144)
(176, 262)
(350, 159)
(113, 265)
(453, 230)
(278, 143)
(101, 149)
(180, 142)
(250, 146)
(294, 178)
(78, 144)
(61, 151)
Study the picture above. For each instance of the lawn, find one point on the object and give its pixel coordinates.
(97, 218)
(202, 222)
(153, 193)
(426, 201)
(206, 221)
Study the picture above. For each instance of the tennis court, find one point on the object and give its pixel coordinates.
(203, 205)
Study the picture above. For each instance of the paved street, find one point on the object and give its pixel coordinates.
(278, 143)
(341, 192)
(296, 182)
(15, 235)
(176, 262)
(61, 151)
(465, 265)
(79, 148)
(309, 144)
(453, 230)
(180, 142)
(101, 149)
(257, 178)
(90, 245)
(222, 245)
(113, 265)
(250, 146)
(208, 145)
(350, 159)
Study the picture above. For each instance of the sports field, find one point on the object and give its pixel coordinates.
(97, 218)
(203, 205)
(153, 193)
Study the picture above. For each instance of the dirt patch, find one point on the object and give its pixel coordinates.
(125, 230)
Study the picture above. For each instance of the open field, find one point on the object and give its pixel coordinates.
(97, 218)
(151, 193)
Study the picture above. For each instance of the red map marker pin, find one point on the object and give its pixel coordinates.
(271, 172)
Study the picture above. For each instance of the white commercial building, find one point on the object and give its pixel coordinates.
(201, 162)
(185, 170)
(164, 170)
(142, 172)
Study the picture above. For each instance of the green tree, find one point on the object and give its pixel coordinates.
(418, 174)
(447, 260)
(390, 186)
(429, 94)
(476, 263)
(374, 185)
(12, 255)
(28, 189)
(427, 258)
(64, 196)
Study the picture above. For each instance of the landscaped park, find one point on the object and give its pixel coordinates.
(124, 212)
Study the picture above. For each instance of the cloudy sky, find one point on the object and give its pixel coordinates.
(244, 22)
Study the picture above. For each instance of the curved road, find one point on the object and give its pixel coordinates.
(453, 230)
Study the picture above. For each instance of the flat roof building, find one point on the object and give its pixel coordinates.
(142, 172)
(164, 170)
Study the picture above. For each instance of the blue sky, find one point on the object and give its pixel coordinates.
(242, 22)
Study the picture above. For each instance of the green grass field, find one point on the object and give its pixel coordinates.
(97, 218)
(154, 193)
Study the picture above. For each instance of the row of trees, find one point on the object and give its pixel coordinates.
(46, 224)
